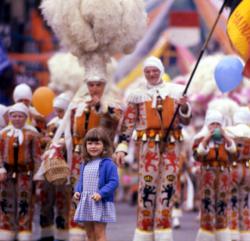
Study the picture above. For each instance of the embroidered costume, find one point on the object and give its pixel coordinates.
(55, 199)
(240, 176)
(215, 161)
(20, 156)
(149, 112)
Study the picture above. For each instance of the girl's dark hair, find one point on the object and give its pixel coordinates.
(97, 134)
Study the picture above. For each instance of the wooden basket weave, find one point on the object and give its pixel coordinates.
(56, 171)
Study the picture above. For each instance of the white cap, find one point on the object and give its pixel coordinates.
(19, 107)
(22, 91)
(152, 61)
(3, 111)
(214, 116)
(62, 101)
(242, 116)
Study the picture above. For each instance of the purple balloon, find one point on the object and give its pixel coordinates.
(228, 73)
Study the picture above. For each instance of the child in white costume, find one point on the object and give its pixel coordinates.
(213, 148)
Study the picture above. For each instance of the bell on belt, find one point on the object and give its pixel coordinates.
(157, 138)
(222, 168)
(51, 134)
(234, 164)
(14, 175)
(172, 139)
(247, 163)
(135, 136)
(77, 149)
(144, 137)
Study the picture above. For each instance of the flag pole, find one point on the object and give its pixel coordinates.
(195, 67)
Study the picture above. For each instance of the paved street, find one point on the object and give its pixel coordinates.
(126, 218)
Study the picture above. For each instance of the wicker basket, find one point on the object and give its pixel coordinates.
(56, 171)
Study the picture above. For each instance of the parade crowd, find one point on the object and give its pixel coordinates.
(96, 135)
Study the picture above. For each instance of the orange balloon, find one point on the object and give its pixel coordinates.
(42, 100)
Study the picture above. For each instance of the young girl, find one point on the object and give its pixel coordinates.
(96, 185)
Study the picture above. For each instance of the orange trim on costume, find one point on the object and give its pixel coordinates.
(153, 118)
(94, 120)
(79, 125)
(221, 159)
(79, 129)
(223, 156)
(10, 149)
(168, 111)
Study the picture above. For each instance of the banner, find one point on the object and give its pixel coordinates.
(184, 28)
(238, 29)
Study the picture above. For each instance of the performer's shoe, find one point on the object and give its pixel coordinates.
(47, 239)
(176, 223)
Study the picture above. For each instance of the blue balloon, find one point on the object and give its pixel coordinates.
(228, 73)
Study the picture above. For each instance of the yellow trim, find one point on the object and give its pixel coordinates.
(166, 230)
(206, 231)
(143, 231)
(244, 232)
(24, 232)
(221, 230)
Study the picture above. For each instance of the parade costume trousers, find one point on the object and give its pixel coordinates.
(214, 204)
(16, 200)
(157, 185)
(239, 201)
(55, 207)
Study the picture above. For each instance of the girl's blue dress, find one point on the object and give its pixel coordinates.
(88, 209)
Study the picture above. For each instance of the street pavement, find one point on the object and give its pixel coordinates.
(123, 229)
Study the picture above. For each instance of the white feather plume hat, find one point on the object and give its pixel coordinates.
(94, 30)
(226, 106)
(65, 72)
(242, 116)
(97, 73)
